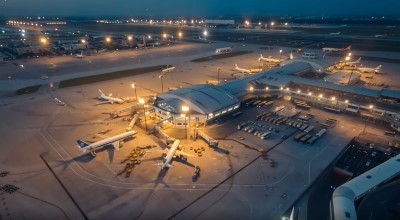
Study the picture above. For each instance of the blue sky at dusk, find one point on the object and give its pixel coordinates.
(197, 8)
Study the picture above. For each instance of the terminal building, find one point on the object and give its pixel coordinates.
(206, 103)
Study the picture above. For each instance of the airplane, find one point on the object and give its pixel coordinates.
(329, 49)
(291, 216)
(268, 59)
(115, 141)
(171, 153)
(369, 69)
(351, 63)
(109, 99)
(168, 69)
(241, 70)
(335, 33)
(79, 55)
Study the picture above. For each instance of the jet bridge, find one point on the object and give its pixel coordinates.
(132, 123)
(210, 141)
(168, 139)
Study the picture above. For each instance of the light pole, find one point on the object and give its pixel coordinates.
(162, 83)
(141, 101)
(134, 87)
(280, 54)
(219, 68)
(185, 109)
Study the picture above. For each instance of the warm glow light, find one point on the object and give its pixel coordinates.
(266, 88)
(180, 34)
(333, 98)
(272, 23)
(108, 39)
(141, 101)
(310, 93)
(130, 38)
(43, 40)
(164, 35)
(83, 41)
(320, 95)
(133, 85)
(347, 58)
(205, 33)
(281, 88)
(346, 101)
(280, 51)
(185, 108)
(251, 88)
(371, 106)
(298, 91)
(287, 89)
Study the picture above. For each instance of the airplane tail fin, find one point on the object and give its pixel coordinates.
(261, 56)
(236, 65)
(359, 59)
(348, 48)
(378, 67)
(101, 92)
(81, 144)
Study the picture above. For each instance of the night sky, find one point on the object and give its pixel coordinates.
(210, 8)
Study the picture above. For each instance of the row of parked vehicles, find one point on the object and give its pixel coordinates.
(268, 117)
(257, 129)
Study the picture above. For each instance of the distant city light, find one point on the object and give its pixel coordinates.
(251, 88)
(333, 98)
(286, 24)
(108, 39)
(130, 37)
(346, 101)
(371, 106)
(205, 33)
(266, 88)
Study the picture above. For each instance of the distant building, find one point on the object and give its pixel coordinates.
(219, 23)
(207, 103)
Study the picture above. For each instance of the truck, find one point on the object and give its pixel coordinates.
(305, 138)
(298, 136)
(309, 129)
(320, 133)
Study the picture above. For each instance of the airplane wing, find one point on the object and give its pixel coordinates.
(116, 145)
(178, 152)
(104, 102)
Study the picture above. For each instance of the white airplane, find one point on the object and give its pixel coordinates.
(268, 59)
(369, 69)
(171, 153)
(335, 33)
(169, 69)
(241, 70)
(79, 55)
(115, 141)
(329, 49)
(351, 63)
(291, 216)
(109, 99)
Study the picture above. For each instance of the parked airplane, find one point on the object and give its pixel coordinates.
(169, 69)
(171, 153)
(369, 69)
(329, 49)
(351, 63)
(79, 55)
(109, 99)
(268, 59)
(223, 50)
(335, 33)
(241, 70)
(115, 141)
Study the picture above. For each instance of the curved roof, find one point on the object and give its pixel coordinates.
(203, 99)
(344, 196)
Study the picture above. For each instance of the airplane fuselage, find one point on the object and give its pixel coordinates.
(170, 154)
(107, 141)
